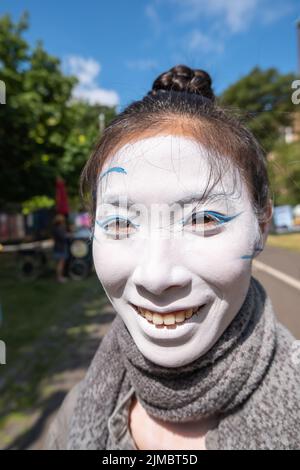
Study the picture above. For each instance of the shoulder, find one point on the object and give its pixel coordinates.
(283, 377)
(277, 400)
(270, 417)
(56, 438)
(287, 350)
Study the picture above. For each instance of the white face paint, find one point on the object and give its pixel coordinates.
(204, 261)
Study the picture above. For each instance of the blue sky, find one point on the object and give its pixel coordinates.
(118, 47)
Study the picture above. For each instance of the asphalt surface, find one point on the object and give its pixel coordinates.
(285, 296)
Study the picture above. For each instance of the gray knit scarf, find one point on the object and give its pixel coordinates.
(247, 379)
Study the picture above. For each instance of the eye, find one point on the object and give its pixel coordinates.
(117, 227)
(207, 222)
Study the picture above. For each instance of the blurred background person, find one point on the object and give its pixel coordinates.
(60, 254)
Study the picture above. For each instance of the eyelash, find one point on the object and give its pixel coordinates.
(216, 217)
(116, 220)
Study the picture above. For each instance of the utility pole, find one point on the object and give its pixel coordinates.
(101, 122)
(298, 41)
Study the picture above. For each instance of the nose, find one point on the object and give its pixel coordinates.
(157, 271)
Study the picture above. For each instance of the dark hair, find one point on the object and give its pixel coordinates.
(182, 101)
(182, 78)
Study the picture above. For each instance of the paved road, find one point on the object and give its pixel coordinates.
(284, 293)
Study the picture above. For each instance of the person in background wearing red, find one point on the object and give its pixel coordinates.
(60, 254)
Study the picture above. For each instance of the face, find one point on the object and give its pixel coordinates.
(172, 248)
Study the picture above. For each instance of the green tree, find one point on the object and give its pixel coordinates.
(80, 141)
(284, 171)
(43, 131)
(263, 99)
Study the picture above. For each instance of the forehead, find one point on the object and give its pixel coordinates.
(166, 168)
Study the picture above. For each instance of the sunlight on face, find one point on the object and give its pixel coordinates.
(168, 238)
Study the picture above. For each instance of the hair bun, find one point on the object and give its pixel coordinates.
(183, 78)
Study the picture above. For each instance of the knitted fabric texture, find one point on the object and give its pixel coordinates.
(247, 379)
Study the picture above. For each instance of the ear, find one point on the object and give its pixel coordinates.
(265, 225)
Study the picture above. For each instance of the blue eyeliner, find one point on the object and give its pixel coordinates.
(117, 169)
(114, 218)
(221, 219)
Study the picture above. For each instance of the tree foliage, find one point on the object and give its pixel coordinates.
(43, 131)
(284, 171)
(263, 99)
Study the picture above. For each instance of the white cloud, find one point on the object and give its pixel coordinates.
(97, 96)
(153, 15)
(198, 41)
(211, 22)
(234, 15)
(87, 71)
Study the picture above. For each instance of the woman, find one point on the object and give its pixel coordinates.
(195, 358)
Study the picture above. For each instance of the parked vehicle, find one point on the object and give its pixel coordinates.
(34, 260)
(80, 261)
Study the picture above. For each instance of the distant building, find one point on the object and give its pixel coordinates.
(283, 217)
(291, 133)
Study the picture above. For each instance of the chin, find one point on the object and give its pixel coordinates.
(167, 356)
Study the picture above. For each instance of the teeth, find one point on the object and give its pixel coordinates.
(156, 319)
(189, 313)
(148, 315)
(168, 318)
(180, 317)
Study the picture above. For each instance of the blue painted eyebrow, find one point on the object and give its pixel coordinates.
(117, 169)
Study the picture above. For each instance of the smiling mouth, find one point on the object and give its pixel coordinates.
(167, 320)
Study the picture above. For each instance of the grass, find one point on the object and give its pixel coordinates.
(290, 241)
(43, 323)
(31, 309)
